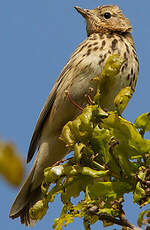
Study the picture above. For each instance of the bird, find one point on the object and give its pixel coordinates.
(108, 33)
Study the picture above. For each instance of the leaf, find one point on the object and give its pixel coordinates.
(131, 143)
(141, 217)
(78, 147)
(122, 99)
(128, 136)
(11, 164)
(143, 122)
(107, 76)
(113, 190)
(69, 212)
(111, 158)
(100, 141)
(38, 210)
(73, 186)
(139, 193)
(81, 128)
(112, 66)
(53, 173)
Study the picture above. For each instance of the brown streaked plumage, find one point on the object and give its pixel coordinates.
(108, 33)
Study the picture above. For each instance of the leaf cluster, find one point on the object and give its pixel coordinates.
(110, 159)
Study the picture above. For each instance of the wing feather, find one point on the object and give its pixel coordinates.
(44, 114)
(47, 107)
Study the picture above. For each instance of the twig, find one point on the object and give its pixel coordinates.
(72, 101)
(88, 97)
(124, 222)
(61, 161)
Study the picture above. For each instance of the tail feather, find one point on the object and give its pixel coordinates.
(25, 199)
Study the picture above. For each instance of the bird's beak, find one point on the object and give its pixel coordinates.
(83, 12)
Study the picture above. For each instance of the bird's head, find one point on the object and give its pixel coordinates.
(105, 18)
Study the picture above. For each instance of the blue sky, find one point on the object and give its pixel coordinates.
(36, 40)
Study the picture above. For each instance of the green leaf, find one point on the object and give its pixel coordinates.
(100, 141)
(112, 66)
(112, 190)
(141, 217)
(128, 136)
(78, 147)
(107, 76)
(143, 122)
(122, 99)
(139, 193)
(69, 212)
(111, 158)
(38, 210)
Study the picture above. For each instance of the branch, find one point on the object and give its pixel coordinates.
(104, 217)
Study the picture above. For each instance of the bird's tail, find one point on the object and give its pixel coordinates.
(25, 199)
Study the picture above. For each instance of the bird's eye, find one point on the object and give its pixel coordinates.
(107, 15)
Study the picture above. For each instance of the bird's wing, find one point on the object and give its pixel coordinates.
(39, 125)
(44, 114)
(48, 105)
